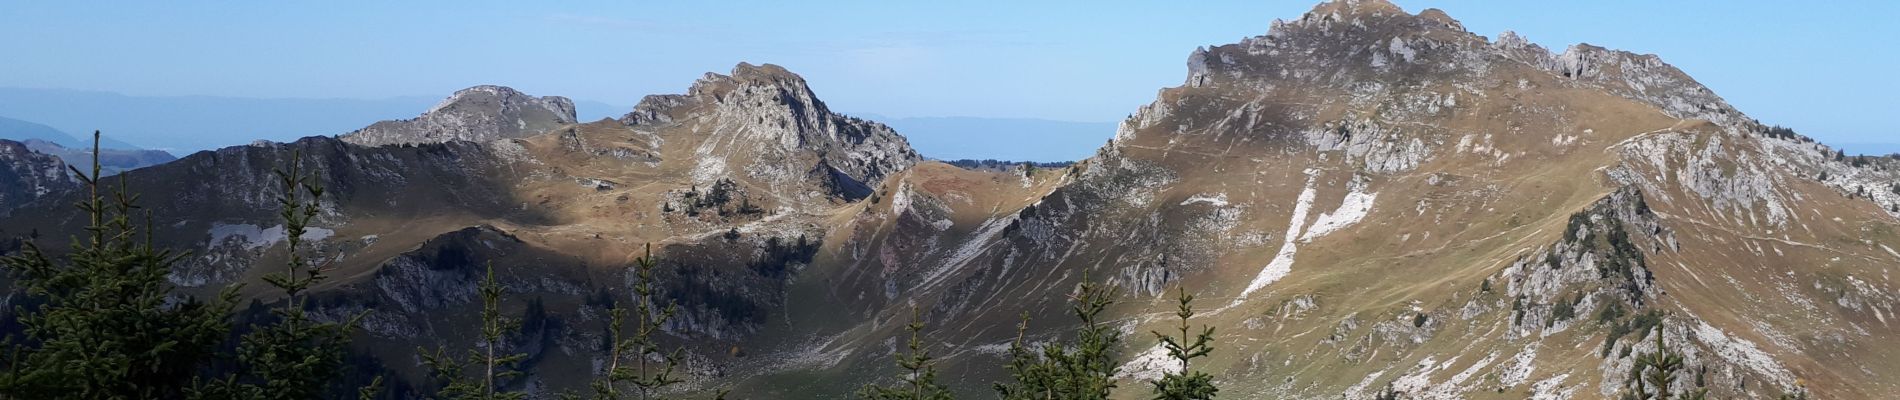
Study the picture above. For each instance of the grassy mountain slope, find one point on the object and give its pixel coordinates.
(1362, 198)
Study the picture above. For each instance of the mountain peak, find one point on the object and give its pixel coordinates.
(766, 116)
(1353, 7)
(766, 77)
(1345, 42)
(1342, 39)
(715, 88)
(477, 93)
(479, 113)
(764, 72)
(1372, 18)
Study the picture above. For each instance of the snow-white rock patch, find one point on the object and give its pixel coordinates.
(251, 237)
(1217, 199)
(1282, 263)
(1519, 369)
(1353, 209)
(1150, 365)
(1742, 352)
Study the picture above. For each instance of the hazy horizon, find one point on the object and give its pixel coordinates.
(1056, 62)
(939, 137)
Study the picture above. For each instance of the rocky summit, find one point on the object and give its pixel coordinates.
(1365, 201)
(477, 114)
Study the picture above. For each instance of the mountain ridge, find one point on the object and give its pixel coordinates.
(1402, 131)
(1363, 198)
(21, 131)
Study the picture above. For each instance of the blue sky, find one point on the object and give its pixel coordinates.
(1825, 68)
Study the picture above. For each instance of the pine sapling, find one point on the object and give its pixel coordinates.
(1654, 372)
(919, 381)
(296, 357)
(647, 376)
(495, 366)
(1083, 368)
(1033, 376)
(1186, 384)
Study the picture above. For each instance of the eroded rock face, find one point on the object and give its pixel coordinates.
(1601, 258)
(27, 175)
(477, 114)
(764, 124)
(1642, 77)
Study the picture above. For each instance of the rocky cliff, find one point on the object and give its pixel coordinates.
(27, 175)
(763, 123)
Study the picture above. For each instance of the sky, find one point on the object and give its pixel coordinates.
(1824, 68)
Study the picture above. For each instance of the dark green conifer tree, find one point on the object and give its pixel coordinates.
(1654, 372)
(109, 327)
(919, 381)
(1186, 384)
(1083, 368)
(648, 376)
(294, 356)
(491, 363)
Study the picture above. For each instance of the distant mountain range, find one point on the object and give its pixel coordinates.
(185, 124)
(22, 131)
(111, 161)
(114, 156)
(1869, 149)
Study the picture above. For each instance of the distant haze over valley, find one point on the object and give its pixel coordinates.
(1015, 139)
(186, 124)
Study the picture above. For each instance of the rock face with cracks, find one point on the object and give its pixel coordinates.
(762, 123)
(27, 175)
